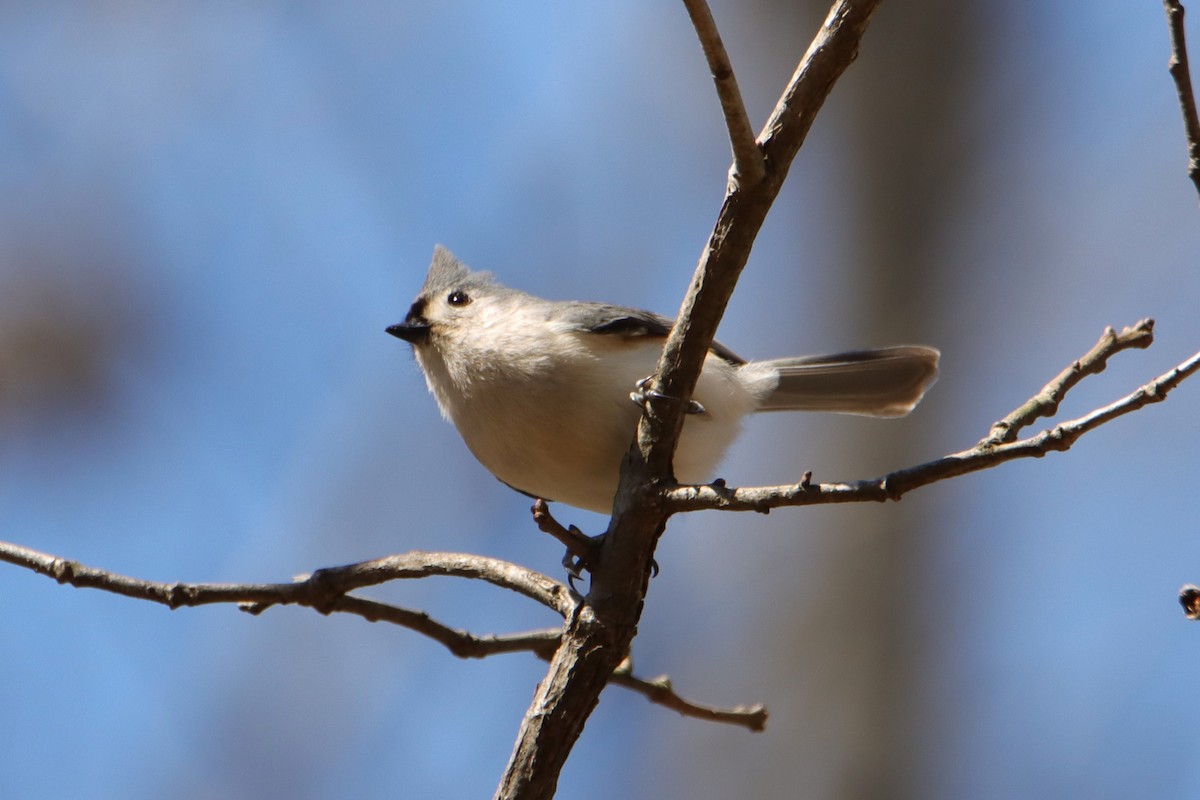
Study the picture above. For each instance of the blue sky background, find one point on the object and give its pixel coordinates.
(210, 211)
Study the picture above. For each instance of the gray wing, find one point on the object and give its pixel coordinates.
(631, 323)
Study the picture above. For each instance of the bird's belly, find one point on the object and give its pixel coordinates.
(562, 437)
(571, 456)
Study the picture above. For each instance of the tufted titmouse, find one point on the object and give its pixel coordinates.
(540, 390)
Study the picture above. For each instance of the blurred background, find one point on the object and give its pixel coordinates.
(209, 211)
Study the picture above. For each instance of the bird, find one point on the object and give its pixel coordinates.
(547, 394)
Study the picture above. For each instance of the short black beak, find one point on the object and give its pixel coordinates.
(410, 331)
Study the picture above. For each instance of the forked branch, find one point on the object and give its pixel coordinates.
(598, 637)
(326, 591)
(1045, 403)
(992, 451)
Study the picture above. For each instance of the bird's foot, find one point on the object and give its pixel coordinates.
(641, 395)
(583, 551)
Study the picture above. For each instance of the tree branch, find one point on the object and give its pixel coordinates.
(461, 643)
(747, 158)
(1045, 403)
(1177, 65)
(418, 564)
(598, 636)
(741, 216)
(984, 455)
(660, 692)
(582, 549)
(323, 591)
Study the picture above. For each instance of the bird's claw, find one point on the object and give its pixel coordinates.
(581, 554)
(576, 564)
(642, 395)
(583, 551)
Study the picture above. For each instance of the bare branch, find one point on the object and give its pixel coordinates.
(895, 485)
(660, 691)
(419, 564)
(745, 207)
(1045, 403)
(747, 158)
(832, 50)
(1177, 65)
(323, 590)
(581, 548)
(598, 635)
(461, 643)
(543, 643)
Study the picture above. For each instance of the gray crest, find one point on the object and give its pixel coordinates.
(446, 272)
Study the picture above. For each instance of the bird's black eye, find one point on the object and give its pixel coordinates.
(458, 298)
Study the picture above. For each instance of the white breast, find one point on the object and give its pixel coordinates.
(556, 421)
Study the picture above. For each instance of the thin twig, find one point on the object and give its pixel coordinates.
(895, 485)
(461, 643)
(660, 692)
(1045, 403)
(747, 158)
(581, 548)
(1177, 65)
(418, 564)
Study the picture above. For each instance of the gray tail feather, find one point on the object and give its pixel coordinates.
(887, 382)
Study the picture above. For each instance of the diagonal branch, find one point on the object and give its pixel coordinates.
(742, 214)
(985, 455)
(660, 692)
(461, 643)
(1045, 403)
(1177, 65)
(747, 158)
(598, 636)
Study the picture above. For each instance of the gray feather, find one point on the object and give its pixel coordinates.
(879, 383)
(447, 273)
(631, 323)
